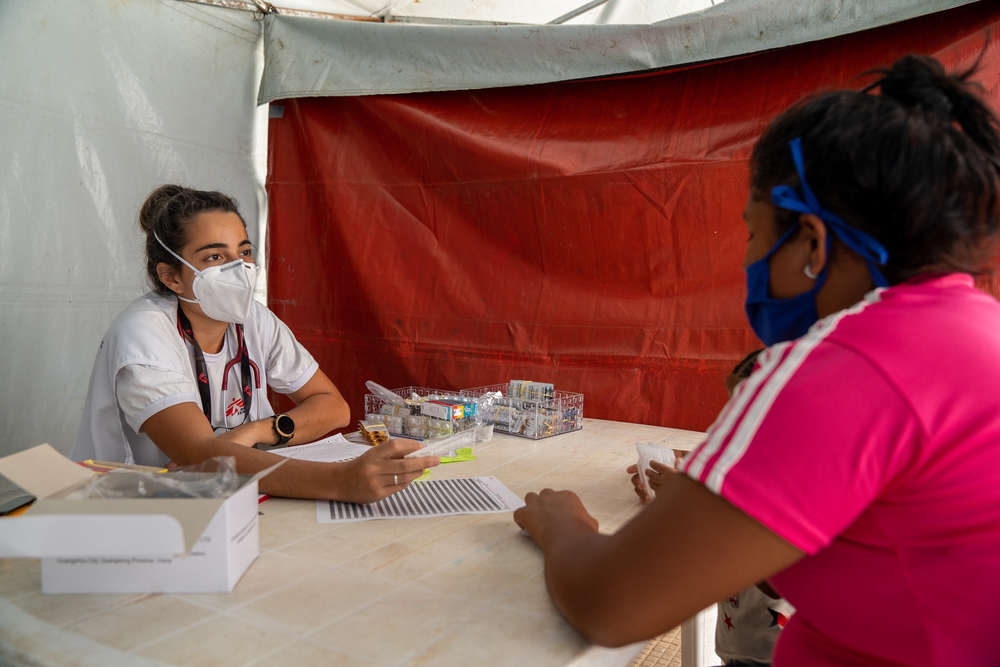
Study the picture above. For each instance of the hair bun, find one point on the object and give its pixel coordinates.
(921, 82)
(154, 203)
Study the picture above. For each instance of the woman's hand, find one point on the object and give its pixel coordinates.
(637, 485)
(657, 473)
(382, 471)
(549, 512)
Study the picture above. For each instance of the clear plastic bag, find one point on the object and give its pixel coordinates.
(213, 478)
(386, 395)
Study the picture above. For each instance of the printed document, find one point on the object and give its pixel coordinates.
(433, 497)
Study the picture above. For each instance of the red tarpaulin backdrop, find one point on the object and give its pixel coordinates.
(586, 234)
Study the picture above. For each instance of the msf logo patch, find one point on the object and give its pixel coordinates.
(235, 407)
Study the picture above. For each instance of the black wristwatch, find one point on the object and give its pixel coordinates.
(284, 427)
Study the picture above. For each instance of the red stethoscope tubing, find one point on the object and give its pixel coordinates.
(232, 362)
(241, 346)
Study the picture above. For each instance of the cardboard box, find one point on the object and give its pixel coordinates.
(441, 410)
(143, 545)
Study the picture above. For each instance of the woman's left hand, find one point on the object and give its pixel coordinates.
(549, 511)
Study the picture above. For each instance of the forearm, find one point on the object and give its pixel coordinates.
(584, 575)
(307, 479)
(317, 415)
(579, 579)
(686, 550)
(294, 479)
(319, 409)
(314, 417)
(186, 437)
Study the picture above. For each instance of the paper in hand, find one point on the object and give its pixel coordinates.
(649, 452)
(333, 449)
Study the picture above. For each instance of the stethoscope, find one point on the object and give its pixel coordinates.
(201, 372)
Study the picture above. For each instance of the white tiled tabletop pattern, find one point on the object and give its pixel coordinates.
(463, 590)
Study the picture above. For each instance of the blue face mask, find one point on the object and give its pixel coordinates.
(779, 320)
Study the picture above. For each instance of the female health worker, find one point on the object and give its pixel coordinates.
(858, 467)
(180, 375)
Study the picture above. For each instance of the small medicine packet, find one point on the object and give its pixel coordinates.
(649, 452)
(374, 432)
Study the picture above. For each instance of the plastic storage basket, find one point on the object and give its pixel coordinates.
(525, 418)
(412, 423)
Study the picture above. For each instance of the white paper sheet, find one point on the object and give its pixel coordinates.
(434, 497)
(649, 452)
(328, 450)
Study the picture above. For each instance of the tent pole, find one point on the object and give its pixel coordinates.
(251, 6)
(576, 12)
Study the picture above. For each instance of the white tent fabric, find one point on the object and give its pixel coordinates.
(507, 11)
(307, 57)
(101, 101)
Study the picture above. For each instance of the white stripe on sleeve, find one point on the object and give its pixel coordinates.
(747, 427)
(734, 408)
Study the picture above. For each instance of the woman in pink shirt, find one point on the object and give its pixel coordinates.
(858, 468)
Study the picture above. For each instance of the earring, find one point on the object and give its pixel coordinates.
(809, 274)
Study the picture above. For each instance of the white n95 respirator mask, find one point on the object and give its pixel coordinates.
(225, 292)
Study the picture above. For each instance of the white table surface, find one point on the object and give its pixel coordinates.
(463, 590)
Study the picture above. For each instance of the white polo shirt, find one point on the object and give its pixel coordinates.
(144, 366)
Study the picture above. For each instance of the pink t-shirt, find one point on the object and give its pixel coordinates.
(873, 444)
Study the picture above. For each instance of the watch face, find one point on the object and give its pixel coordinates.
(284, 425)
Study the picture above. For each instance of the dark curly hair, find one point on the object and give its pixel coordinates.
(167, 211)
(742, 370)
(916, 166)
